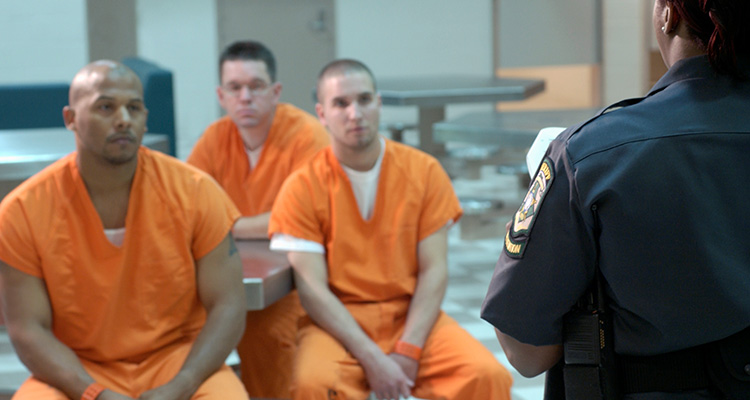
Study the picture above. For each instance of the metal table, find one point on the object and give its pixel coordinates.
(24, 152)
(506, 129)
(267, 274)
(433, 94)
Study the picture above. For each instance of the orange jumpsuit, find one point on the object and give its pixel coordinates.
(373, 270)
(267, 348)
(130, 313)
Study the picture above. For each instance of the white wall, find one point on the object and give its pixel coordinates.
(42, 40)
(626, 45)
(398, 38)
(543, 32)
(112, 29)
(46, 41)
(182, 37)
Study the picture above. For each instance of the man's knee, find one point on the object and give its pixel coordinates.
(485, 373)
(222, 385)
(313, 379)
(497, 373)
(33, 389)
(488, 368)
(490, 378)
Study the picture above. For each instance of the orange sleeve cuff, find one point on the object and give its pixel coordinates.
(408, 350)
(93, 391)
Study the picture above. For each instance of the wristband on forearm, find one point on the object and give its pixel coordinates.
(92, 392)
(408, 350)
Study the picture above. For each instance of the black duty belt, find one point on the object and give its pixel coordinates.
(670, 372)
(724, 364)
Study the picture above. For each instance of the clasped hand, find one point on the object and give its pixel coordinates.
(392, 376)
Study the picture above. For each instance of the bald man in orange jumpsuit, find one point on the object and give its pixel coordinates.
(250, 152)
(365, 226)
(119, 274)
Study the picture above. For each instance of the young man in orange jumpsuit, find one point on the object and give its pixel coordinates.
(365, 226)
(250, 152)
(119, 273)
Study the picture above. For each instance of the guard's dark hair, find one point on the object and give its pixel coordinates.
(721, 27)
(249, 50)
(343, 66)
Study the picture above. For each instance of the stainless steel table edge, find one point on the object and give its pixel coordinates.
(267, 274)
(508, 138)
(22, 167)
(442, 97)
(262, 292)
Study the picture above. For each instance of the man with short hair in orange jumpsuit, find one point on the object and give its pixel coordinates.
(366, 227)
(250, 152)
(119, 274)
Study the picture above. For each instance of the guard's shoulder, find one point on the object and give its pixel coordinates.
(606, 111)
(606, 129)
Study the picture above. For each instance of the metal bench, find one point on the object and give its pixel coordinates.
(505, 135)
(516, 129)
(396, 130)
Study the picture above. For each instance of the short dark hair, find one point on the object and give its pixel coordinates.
(721, 28)
(340, 67)
(249, 50)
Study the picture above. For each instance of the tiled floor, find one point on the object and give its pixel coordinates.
(472, 261)
(12, 372)
(470, 267)
(474, 246)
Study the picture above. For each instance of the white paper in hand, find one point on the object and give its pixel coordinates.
(539, 148)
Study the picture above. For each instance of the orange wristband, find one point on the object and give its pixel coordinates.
(408, 350)
(93, 391)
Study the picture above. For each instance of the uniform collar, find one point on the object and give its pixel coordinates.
(686, 68)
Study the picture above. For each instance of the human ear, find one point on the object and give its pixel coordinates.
(670, 17)
(69, 116)
(320, 113)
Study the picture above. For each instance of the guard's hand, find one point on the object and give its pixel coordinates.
(387, 379)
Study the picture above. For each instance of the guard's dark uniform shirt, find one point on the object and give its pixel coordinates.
(668, 175)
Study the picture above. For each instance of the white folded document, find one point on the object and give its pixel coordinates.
(539, 148)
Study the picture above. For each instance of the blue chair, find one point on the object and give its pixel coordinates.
(158, 96)
(36, 105)
(39, 105)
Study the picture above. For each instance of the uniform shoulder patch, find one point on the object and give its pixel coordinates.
(517, 237)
